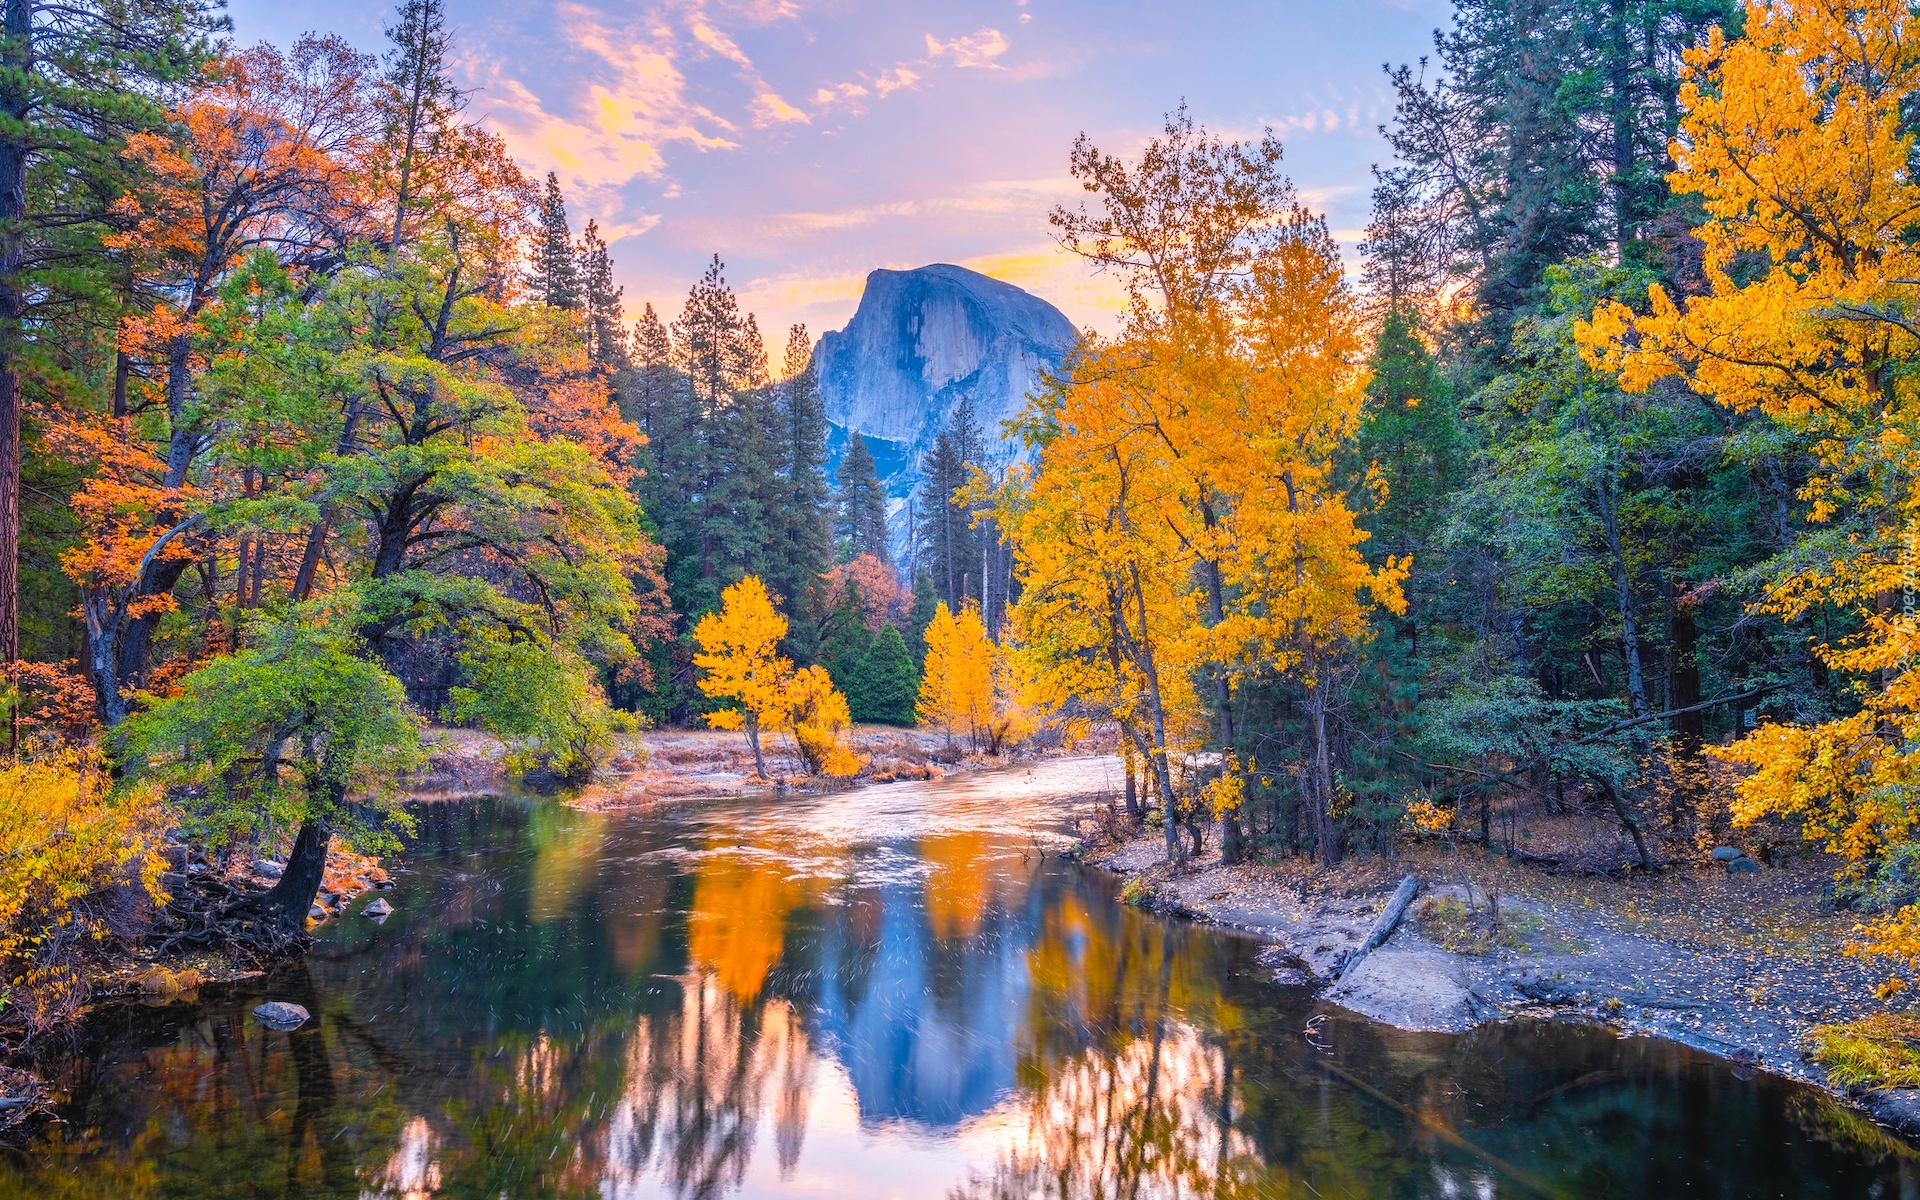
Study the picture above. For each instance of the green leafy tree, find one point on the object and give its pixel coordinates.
(280, 736)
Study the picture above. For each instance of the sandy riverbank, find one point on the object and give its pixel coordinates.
(684, 764)
(1739, 966)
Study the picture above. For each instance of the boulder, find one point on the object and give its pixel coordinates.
(379, 908)
(316, 913)
(1722, 854)
(266, 868)
(278, 1014)
(1743, 866)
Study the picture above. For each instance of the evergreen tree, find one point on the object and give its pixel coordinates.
(606, 342)
(882, 686)
(950, 548)
(926, 602)
(75, 81)
(844, 636)
(716, 447)
(1545, 136)
(651, 390)
(556, 274)
(804, 523)
(862, 505)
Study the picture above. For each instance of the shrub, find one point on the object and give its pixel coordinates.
(68, 845)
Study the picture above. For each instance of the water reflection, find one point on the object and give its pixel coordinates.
(894, 992)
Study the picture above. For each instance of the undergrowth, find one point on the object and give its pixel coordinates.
(1880, 1051)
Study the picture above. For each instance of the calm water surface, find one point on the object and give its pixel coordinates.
(888, 993)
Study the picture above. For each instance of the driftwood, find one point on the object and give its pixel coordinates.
(1382, 926)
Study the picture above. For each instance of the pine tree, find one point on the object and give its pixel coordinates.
(883, 686)
(862, 505)
(556, 276)
(950, 548)
(716, 448)
(926, 601)
(804, 518)
(606, 342)
(844, 636)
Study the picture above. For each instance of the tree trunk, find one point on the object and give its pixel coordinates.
(1326, 833)
(1689, 728)
(753, 740)
(300, 882)
(1623, 591)
(14, 101)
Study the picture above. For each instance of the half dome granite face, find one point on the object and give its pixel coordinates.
(920, 343)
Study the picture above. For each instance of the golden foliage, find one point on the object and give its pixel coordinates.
(960, 682)
(1186, 519)
(1797, 144)
(65, 841)
(740, 661)
(817, 717)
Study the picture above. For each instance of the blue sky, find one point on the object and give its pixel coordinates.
(810, 141)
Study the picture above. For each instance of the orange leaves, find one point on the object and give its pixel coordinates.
(881, 597)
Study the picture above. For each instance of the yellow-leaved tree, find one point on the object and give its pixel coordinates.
(957, 682)
(1185, 528)
(1797, 143)
(818, 717)
(741, 661)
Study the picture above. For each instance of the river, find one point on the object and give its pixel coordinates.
(899, 991)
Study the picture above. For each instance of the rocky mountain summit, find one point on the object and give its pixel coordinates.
(920, 342)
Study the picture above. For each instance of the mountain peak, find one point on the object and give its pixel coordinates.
(922, 340)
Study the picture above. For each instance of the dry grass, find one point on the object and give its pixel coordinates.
(1880, 1051)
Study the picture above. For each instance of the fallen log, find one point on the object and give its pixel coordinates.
(1383, 926)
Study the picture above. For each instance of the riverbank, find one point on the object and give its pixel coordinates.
(688, 764)
(1740, 965)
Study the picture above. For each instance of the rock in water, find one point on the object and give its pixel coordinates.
(379, 908)
(278, 1014)
(922, 340)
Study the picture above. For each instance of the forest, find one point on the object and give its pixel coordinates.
(1586, 487)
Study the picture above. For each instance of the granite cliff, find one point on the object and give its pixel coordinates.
(919, 343)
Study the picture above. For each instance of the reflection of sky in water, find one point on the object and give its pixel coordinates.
(893, 992)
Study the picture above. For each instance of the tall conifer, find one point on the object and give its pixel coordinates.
(556, 275)
(862, 505)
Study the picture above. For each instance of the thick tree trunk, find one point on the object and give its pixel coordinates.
(300, 883)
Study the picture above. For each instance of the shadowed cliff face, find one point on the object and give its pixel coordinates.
(920, 342)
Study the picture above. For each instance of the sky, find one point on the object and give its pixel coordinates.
(808, 142)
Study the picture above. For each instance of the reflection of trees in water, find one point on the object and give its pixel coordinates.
(564, 1022)
(698, 1080)
(1143, 1118)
